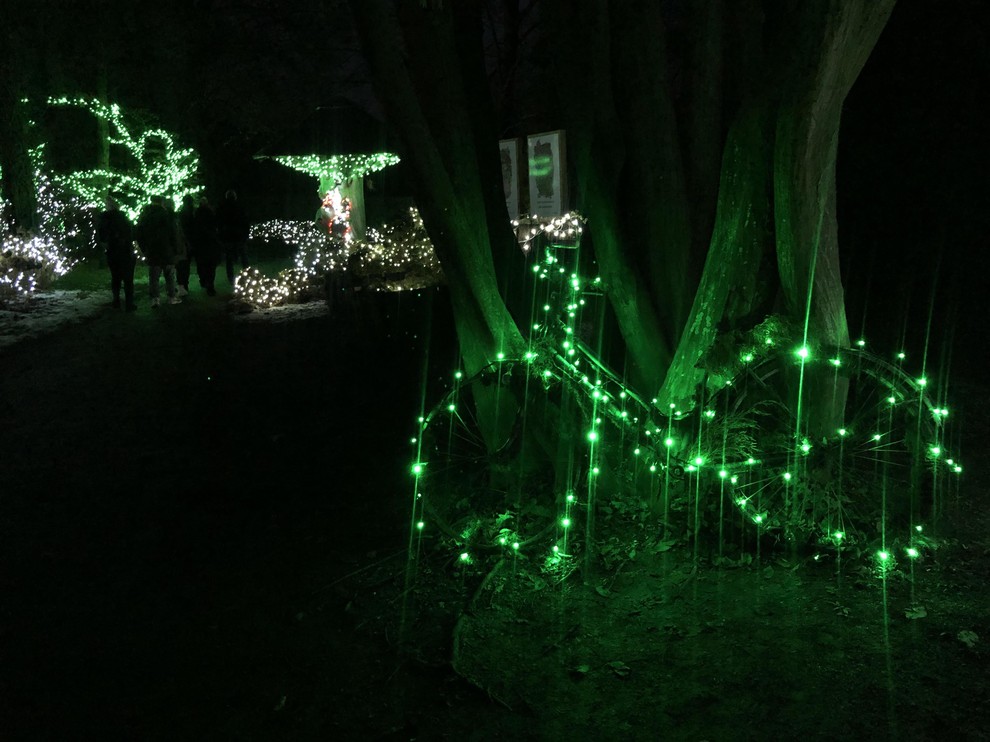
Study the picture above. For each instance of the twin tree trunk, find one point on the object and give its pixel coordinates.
(767, 93)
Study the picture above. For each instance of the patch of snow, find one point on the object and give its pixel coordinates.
(286, 312)
(44, 311)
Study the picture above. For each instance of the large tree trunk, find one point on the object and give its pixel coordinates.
(729, 288)
(833, 42)
(18, 170)
(420, 83)
(582, 67)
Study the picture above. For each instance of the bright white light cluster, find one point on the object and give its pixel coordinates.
(400, 248)
(566, 228)
(391, 251)
(27, 262)
(259, 290)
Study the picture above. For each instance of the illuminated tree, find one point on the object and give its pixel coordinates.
(705, 213)
(152, 163)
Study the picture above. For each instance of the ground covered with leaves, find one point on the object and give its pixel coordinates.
(203, 532)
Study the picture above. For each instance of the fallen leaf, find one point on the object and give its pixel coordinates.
(620, 668)
(969, 638)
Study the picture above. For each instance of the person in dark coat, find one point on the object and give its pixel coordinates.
(206, 245)
(187, 215)
(156, 236)
(114, 234)
(233, 228)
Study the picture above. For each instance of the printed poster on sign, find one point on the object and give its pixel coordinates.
(509, 155)
(547, 178)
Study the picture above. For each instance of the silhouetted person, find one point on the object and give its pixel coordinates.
(233, 228)
(187, 215)
(114, 233)
(156, 236)
(206, 245)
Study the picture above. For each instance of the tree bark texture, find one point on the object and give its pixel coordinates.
(415, 66)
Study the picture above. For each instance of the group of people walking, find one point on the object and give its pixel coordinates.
(170, 242)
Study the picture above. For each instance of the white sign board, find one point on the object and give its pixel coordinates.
(508, 150)
(547, 176)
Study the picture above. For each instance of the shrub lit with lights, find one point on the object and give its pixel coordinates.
(578, 460)
(393, 257)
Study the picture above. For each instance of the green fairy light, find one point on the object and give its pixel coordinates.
(592, 436)
(336, 170)
(757, 518)
(155, 164)
(636, 451)
(500, 356)
(935, 451)
(465, 557)
(723, 473)
(861, 343)
(420, 525)
(698, 461)
(458, 375)
(918, 528)
(571, 497)
(748, 358)
(668, 442)
(901, 356)
(417, 469)
(653, 468)
(912, 552)
(709, 414)
(565, 522)
(733, 479)
(515, 545)
(690, 467)
(787, 476)
(892, 400)
(877, 436)
(957, 469)
(835, 361)
(451, 407)
(843, 432)
(596, 470)
(805, 447)
(803, 352)
(750, 461)
(838, 536)
(922, 382)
